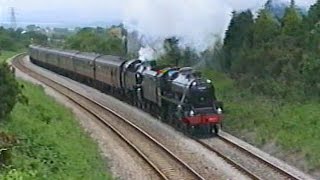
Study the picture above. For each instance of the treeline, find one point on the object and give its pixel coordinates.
(174, 55)
(99, 40)
(15, 40)
(269, 54)
(275, 56)
(113, 41)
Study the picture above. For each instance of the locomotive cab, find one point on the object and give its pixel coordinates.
(130, 80)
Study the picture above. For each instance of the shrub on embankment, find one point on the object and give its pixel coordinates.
(9, 91)
(47, 143)
(288, 129)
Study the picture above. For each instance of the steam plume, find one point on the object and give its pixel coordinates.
(195, 22)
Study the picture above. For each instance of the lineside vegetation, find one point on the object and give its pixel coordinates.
(48, 143)
(40, 139)
(266, 71)
(290, 130)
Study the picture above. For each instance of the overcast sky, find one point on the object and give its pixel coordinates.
(61, 11)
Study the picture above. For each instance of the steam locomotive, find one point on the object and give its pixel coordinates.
(177, 96)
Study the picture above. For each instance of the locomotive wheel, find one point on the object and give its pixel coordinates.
(184, 128)
(163, 115)
(138, 104)
(216, 129)
(164, 118)
(180, 124)
(190, 129)
(134, 101)
(147, 107)
(171, 120)
(208, 129)
(176, 123)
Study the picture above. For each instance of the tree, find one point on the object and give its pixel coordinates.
(36, 38)
(269, 5)
(96, 40)
(9, 91)
(189, 57)
(173, 54)
(310, 67)
(265, 29)
(214, 56)
(292, 43)
(275, 55)
(276, 9)
(238, 36)
(292, 22)
(314, 14)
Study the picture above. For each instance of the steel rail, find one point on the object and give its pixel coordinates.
(259, 158)
(53, 84)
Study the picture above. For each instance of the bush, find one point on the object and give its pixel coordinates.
(293, 126)
(92, 40)
(50, 142)
(9, 91)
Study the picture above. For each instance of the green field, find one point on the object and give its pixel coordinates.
(47, 141)
(5, 55)
(294, 128)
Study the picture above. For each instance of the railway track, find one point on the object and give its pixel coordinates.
(163, 162)
(261, 169)
(166, 164)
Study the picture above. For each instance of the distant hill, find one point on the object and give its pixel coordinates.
(278, 7)
(63, 24)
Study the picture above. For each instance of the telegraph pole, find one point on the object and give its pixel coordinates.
(13, 20)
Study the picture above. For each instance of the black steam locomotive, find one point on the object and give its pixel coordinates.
(178, 96)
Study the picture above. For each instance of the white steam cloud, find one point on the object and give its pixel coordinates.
(146, 53)
(196, 23)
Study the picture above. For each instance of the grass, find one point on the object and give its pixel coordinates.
(5, 55)
(294, 127)
(51, 143)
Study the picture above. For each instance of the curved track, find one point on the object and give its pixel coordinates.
(165, 163)
(261, 169)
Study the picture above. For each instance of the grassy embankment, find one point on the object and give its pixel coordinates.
(292, 127)
(51, 143)
(5, 55)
